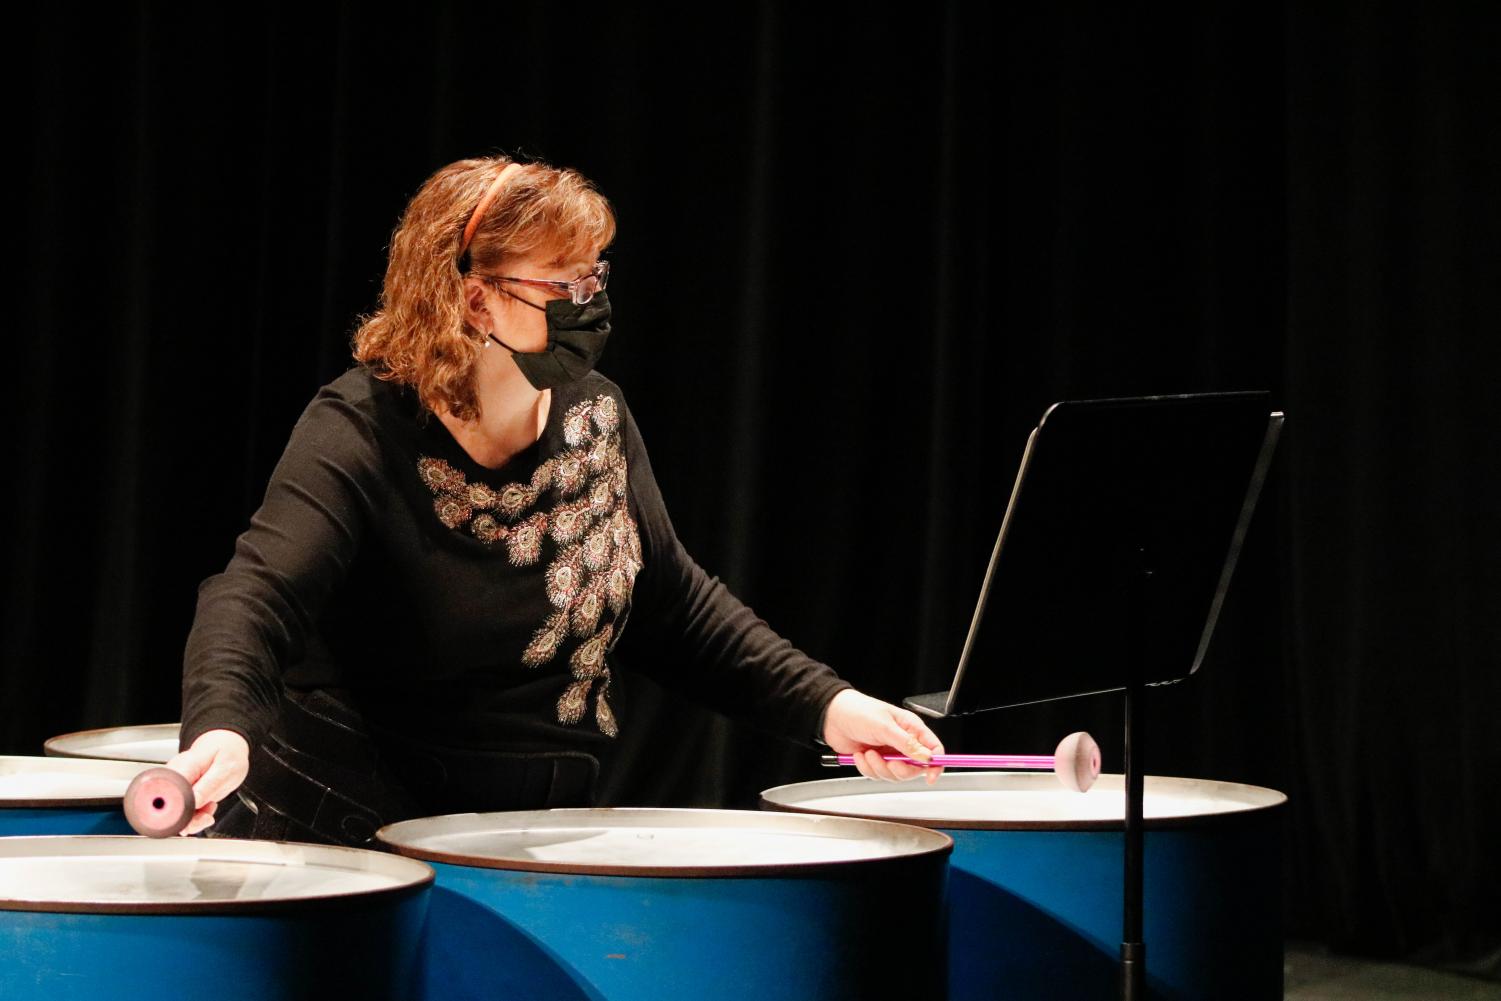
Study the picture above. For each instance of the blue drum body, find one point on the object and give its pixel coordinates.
(362, 946)
(116, 957)
(1213, 906)
(1036, 902)
(63, 820)
(825, 932)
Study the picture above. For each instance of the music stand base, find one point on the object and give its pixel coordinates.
(1133, 971)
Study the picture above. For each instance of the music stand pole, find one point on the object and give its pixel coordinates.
(1133, 947)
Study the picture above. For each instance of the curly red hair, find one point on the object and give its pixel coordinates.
(418, 335)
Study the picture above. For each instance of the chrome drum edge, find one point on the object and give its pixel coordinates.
(62, 796)
(155, 743)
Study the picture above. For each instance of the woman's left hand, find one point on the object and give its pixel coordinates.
(868, 728)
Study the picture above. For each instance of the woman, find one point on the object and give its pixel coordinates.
(461, 538)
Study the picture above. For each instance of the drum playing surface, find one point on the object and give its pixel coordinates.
(186, 875)
(1016, 801)
(156, 743)
(55, 782)
(657, 842)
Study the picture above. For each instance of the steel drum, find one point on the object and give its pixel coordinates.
(651, 904)
(155, 743)
(1035, 888)
(125, 918)
(64, 796)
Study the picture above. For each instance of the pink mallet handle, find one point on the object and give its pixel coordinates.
(1023, 762)
(1076, 761)
(159, 803)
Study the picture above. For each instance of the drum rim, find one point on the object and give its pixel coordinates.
(72, 802)
(936, 849)
(1199, 821)
(54, 747)
(209, 847)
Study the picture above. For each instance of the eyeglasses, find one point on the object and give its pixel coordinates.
(580, 290)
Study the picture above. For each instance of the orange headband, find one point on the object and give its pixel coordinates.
(484, 203)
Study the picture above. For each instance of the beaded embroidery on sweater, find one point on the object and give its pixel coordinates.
(577, 500)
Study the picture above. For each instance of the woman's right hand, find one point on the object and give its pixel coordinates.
(216, 764)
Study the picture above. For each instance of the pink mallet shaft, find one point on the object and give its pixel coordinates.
(1025, 762)
(1076, 762)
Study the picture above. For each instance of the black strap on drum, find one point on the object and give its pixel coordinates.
(316, 723)
(291, 791)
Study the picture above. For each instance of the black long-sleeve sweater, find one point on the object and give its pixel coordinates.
(476, 607)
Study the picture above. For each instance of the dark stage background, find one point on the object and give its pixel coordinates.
(857, 258)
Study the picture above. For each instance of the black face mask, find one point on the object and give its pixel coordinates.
(576, 338)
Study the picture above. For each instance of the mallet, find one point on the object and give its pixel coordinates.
(159, 803)
(1076, 762)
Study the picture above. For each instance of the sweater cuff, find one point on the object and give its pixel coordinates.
(823, 713)
(251, 731)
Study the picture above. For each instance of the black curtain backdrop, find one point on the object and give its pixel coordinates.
(857, 258)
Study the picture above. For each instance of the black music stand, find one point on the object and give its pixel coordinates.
(1112, 562)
